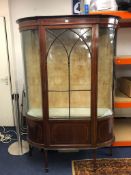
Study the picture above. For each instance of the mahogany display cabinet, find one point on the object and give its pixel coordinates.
(68, 63)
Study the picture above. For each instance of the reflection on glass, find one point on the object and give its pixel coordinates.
(80, 67)
(105, 71)
(32, 72)
(69, 72)
(57, 68)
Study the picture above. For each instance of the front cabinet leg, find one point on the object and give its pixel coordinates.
(30, 150)
(110, 151)
(46, 160)
(94, 160)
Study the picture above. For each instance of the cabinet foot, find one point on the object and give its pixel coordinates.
(94, 160)
(110, 151)
(46, 170)
(46, 160)
(30, 150)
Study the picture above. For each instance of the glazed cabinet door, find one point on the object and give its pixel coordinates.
(69, 72)
(68, 58)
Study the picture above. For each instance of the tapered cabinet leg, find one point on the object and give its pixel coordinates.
(110, 150)
(30, 150)
(94, 160)
(46, 160)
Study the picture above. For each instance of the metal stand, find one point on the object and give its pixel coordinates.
(20, 147)
(17, 148)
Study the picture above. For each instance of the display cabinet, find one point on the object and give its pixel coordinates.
(68, 64)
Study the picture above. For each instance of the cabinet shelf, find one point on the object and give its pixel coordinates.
(122, 100)
(122, 60)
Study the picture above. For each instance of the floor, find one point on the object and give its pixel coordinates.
(59, 163)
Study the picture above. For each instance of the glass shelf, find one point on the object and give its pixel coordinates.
(64, 112)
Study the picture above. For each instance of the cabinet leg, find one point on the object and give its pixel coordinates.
(42, 150)
(94, 160)
(110, 150)
(30, 150)
(46, 160)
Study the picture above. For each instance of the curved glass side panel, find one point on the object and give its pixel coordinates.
(69, 72)
(32, 72)
(105, 71)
